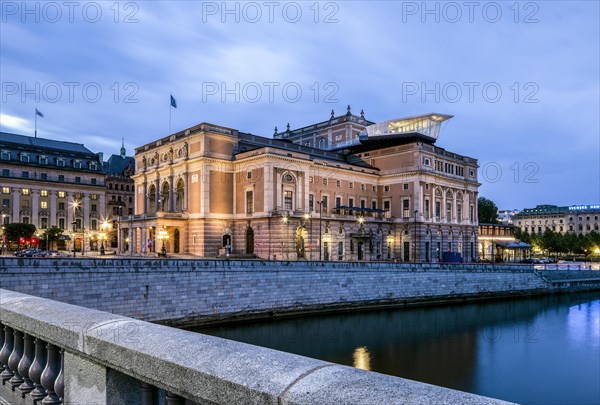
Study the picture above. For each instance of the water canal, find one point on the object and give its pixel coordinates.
(543, 350)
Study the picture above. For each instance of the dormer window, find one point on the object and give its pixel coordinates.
(5, 155)
(60, 162)
(93, 166)
(24, 157)
(77, 164)
(43, 160)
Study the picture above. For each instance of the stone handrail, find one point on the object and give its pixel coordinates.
(112, 359)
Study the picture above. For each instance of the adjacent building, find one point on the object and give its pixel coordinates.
(579, 219)
(119, 192)
(52, 183)
(342, 189)
(497, 243)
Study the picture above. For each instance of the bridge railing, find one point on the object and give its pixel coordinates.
(54, 353)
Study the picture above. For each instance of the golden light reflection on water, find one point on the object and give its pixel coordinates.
(362, 358)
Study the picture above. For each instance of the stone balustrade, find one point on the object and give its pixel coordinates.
(53, 353)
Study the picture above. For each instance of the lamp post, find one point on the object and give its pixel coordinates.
(162, 236)
(102, 236)
(284, 245)
(320, 219)
(74, 205)
(307, 218)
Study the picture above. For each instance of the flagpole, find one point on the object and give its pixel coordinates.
(170, 108)
(35, 120)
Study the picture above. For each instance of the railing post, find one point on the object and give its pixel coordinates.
(7, 349)
(37, 368)
(1, 344)
(25, 365)
(15, 359)
(173, 399)
(149, 394)
(59, 385)
(50, 374)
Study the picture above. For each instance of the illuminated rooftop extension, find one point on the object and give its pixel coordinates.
(427, 124)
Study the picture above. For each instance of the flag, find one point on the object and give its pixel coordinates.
(37, 112)
(173, 102)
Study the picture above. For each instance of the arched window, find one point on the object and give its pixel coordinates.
(249, 241)
(179, 196)
(152, 199)
(164, 197)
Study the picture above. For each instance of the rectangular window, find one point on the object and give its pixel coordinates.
(311, 202)
(60, 163)
(338, 202)
(61, 194)
(24, 203)
(351, 184)
(94, 208)
(386, 189)
(77, 179)
(438, 209)
(340, 250)
(311, 179)
(248, 175)
(249, 202)
(363, 187)
(5, 190)
(77, 164)
(350, 202)
(374, 205)
(44, 205)
(338, 183)
(25, 175)
(472, 213)
(25, 191)
(5, 155)
(427, 209)
(374, 189)
(363, 204)
(386, 206)
(61, 206)
(61, 223)
(5, 172)
(61, 177)
(324, 181)
(25, 220)
(44, 193)
(93, 181)
(405, 186)
(5, 203)
(448, 211)
(93, 196)
(43, 160)
(287, 200)
(459, 212)
(94, 225)
(44, 223)
(405, 208)
(44, 176)
(324, 204)
(25, 158)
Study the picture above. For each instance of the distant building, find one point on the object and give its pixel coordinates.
(579, 219)
(119, 192)
(52, 183)
(341, 189)
(497, 243)
(507, 217)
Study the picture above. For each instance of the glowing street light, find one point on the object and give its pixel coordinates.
(162, 236)
(102, 236)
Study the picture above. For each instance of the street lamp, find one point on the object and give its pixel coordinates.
(162, 236)
(102, 236)
(307, 218)
(74, 205)
(287, 254)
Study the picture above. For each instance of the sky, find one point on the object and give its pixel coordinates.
(520, 78)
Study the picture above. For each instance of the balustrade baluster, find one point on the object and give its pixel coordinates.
(173, 399)
(25, 365)
(149, 394)
(50, 374)
(37, 368)
(7, 349)
(15, 359)
(1, 344)
(59, 385)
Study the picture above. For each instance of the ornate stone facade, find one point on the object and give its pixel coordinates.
(367, 196)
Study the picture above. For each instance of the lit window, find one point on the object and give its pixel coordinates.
(44, 193)
(44, 205)
(311, 179)
(5, 190)
(25, 191)
(61, 194)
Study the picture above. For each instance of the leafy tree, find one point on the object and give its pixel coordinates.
(487, 211)
(52, 234)
(17, 230)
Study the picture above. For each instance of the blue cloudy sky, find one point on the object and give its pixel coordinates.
(520, 78)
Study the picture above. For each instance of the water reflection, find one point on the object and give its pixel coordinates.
(527, 351)
(362, 358)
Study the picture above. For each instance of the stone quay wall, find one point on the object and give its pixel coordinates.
(192, 292)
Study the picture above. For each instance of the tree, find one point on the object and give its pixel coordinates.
(52, 234)
(487, 211)
(13, 232)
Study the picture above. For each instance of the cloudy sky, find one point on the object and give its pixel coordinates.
(520, 78)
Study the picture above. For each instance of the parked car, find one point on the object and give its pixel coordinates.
(31, 252)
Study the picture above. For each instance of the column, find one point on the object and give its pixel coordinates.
(35, 207)
(53, 221)
(143, 249)
(16, 205)
(171, 194)
(157, 197)
(131, 239)
(145, 188)
(69, 209)
(102, 207)
(86, 211)
(120, 239)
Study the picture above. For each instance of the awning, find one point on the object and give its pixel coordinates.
(64, 237)
(513, 245)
